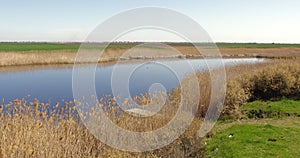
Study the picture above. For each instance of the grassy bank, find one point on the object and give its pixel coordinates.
(277, 134)
(262, 138)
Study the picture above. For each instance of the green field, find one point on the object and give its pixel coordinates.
(6, 47)
(29, 46)
(26, 46)
(268, 137)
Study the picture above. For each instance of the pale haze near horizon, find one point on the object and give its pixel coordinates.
(262, 21)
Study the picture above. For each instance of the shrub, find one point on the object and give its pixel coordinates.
(276, 82)
(273, 80)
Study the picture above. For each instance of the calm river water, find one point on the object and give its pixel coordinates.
(54, 84)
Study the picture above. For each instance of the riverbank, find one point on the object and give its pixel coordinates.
(68, 56)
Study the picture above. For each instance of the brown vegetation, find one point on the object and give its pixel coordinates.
(34, 130)
(273, 81)
(270, 80)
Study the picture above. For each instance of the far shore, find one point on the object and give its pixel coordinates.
(54, 57)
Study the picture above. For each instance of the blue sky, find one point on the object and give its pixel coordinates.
(225, 20)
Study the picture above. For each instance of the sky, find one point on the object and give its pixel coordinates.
(261, 21)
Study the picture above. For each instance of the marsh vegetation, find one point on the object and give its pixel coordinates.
(34, 129)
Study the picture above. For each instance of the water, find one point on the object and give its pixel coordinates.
(54, 84)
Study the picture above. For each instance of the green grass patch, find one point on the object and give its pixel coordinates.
(32, 46)
(16, 46)
(268, 109)
(249, 140)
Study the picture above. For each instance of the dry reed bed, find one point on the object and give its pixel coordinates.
(33, 129)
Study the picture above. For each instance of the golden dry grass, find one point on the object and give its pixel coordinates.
(34, 130)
